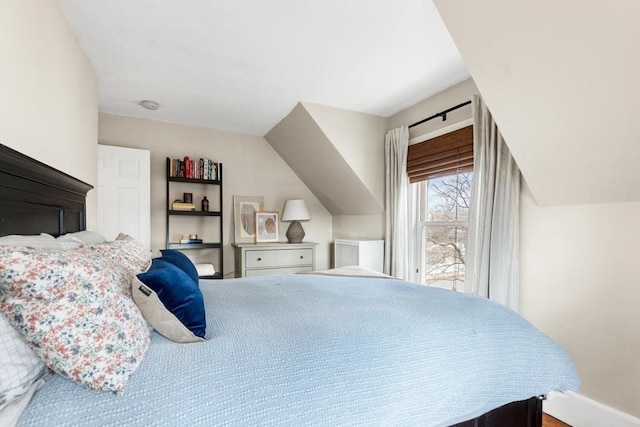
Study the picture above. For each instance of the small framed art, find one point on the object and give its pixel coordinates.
(244, 217)
(267, 227)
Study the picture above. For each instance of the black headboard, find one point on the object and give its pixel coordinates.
(36, 198)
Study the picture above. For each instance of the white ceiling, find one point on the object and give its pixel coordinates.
(243, 65)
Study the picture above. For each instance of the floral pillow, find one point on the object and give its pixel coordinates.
(124, 251)
(71, 310)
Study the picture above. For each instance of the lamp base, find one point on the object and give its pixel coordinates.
(295, 233)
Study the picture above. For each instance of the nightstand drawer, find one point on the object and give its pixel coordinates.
(281, 258)
(271, 271)
(274, 258)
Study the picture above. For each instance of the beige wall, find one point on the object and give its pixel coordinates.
(251, 168)
(444, 100)
(301, 141)
(580, 284)
(48, 92)
(359, 138)
(580, 274)
(566, 97)
(368, 227)
(339, 155)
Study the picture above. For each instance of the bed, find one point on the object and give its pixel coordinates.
(302, 349)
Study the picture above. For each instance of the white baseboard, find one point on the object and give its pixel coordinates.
(580, 411)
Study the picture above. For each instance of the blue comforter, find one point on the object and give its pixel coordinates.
(314, 350)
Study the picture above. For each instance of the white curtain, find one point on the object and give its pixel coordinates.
(396, 259)
(492, 268)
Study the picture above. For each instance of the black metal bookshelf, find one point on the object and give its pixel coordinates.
(197, 213)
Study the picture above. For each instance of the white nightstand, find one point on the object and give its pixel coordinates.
(262, 259)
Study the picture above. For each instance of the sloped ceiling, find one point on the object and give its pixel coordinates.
(562, 80)
(359, 138)
(324, 164)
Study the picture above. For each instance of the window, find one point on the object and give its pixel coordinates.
(440, 170)
(443, 205)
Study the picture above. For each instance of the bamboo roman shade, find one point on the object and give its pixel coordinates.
(443, 155)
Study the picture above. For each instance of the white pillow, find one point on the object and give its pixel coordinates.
(88, 237)
(20, 366)
(37, 241)
(69, 242)
(10, 414)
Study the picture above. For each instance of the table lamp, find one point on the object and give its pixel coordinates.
(295, 210)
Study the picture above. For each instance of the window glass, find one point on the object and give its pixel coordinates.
(447, 198)
(444, 210)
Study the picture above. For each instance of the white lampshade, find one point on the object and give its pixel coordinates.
(295, 210)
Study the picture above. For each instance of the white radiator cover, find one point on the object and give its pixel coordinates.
(363, 253)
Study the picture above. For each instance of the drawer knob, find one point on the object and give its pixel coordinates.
(301, 256)
(259, 259)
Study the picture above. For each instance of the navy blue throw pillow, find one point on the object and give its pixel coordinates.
(177, 292)
(181, 261)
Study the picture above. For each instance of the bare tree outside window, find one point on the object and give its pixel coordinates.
(443, 227)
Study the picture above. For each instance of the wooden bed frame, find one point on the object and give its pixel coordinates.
(36, 198)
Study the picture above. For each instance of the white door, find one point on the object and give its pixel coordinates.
(124, 192)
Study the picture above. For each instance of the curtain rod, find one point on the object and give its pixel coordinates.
(442, 114)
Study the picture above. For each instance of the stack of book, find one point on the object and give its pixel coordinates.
(196, 169)
(181, 206)
(183, 241)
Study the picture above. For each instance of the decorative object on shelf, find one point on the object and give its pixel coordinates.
(244, 217)
(205, 204)
(266, 227)
(295, 210)
(187, 197)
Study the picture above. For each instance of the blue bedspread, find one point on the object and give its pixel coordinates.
(313, 350)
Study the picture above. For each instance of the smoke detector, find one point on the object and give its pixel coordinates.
(149, 105)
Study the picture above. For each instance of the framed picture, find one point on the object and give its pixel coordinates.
(267, 223)
(244, 217)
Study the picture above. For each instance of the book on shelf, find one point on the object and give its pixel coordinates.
(180, 206)
(190, 241)
(205, 169)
